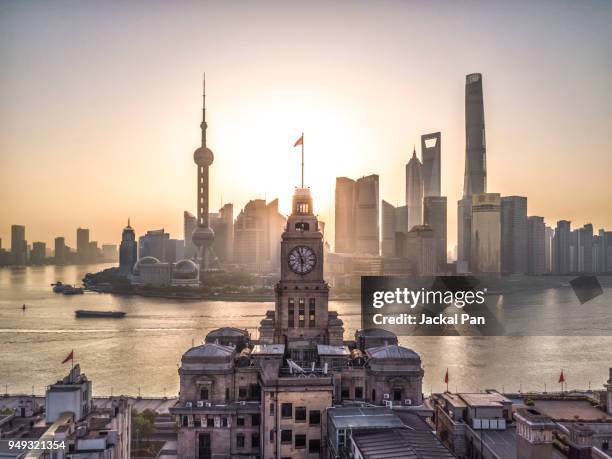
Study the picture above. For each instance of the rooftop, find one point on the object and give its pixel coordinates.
(268, 349)
(358, 417)
(400, 443)
(485, 399)
(559, 410)
(324, 349)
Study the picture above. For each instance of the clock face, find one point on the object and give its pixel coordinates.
(302, 259)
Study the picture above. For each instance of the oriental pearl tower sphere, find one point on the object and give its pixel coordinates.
(203, 235)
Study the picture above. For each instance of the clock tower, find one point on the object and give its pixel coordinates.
(301, 318)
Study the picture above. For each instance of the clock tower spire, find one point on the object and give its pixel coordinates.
(302, 319)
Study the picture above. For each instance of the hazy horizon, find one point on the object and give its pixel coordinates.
(101, 104)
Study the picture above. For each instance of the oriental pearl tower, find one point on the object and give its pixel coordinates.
(203, 235)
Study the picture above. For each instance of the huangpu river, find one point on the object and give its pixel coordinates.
(142, 351)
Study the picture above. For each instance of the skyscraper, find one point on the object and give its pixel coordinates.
(514, 234)
(154, 244)
(475, 180)
(434, 215)
(60, 251)
(345, 215)
(203, 236)
(431, 148)
(421, 250)
(222, 224)
(256, 233)
(475, 176)
(82, 236)
(562, 247)
(367, 232)
(387, 244)
(19, 246)
(536, 245)
(585, 250)
(414, 191)
(189, 226)
(38, 255)
(128, 250)
(464, 233)
(486, 233)
(549, 235)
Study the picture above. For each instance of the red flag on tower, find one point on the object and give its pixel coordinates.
(561, 378)
(70, 356)
(446, 377)
(299, 141)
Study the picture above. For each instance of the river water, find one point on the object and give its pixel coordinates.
(142, 351)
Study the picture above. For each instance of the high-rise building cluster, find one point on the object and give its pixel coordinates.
(23, 254)
(495, 234)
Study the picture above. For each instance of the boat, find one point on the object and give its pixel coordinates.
(99, 314)
(59, 287)
(70, 290)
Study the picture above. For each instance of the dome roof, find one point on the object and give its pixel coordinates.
(144, 261)
(392, 352)
(227, 331)
(210, 350)
(185, 269)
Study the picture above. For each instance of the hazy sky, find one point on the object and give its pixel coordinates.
(100, 105)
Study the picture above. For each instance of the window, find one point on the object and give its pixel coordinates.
(358, 392)
(185, 421)
(345, 393)
(255, 391)
(286, 410)
(315, 418)
(286, 436)
(373, 395)
(255, 419)
(240, 421)
(397, 395)
(240, 440)
(311, 312)
(223, 422)
(605, 445)
(203, 394)
(314, 446)
(197, 421)
(302, 226)
(291, 313)
(255, 440)
(301, 312)
(300, 441)
(271, 409)
(272, 436)
(210, 421)
(227, 394)
(341, 437)
(242, 393)
(300, 413)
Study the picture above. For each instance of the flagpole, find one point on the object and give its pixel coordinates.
(302, 160)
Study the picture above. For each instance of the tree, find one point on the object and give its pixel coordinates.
(143, 425)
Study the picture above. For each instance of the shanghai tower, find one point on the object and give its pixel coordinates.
(475, 178)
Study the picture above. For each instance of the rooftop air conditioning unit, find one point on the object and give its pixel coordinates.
(208, 404)
(386, 396)
(188, 404)
(408, 402)
(242, 403)
(388, 403)
(200, 403)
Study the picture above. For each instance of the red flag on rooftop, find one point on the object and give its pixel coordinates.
(561, 377)
(446, 377)
(70, 357)
(299, 141)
